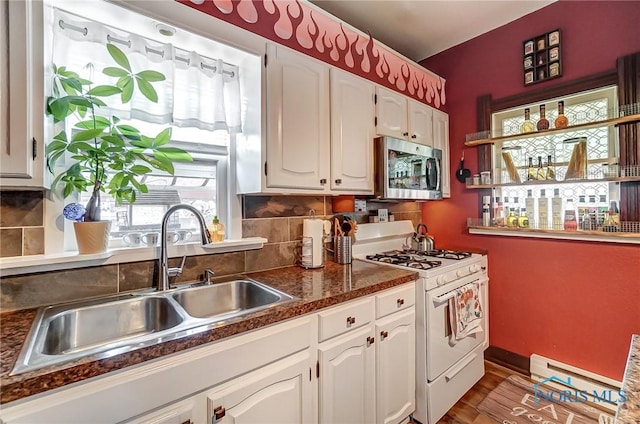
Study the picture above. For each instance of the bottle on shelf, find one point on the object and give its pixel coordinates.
(512, 219)
(614, 213)
(529, 203)
(587, 222)
(531, 172)
(498, 213)
(516, 205)
(523, 219)
(486, 214)
(527, 126)
(570, 219)
(543, 123)
(216, 230)
(543, 210)
(506, 210)
(551, 172)
(556, 210)
(541, 174)
(561, 121)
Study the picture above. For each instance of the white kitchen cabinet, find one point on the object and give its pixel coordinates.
(347, 378)
(391, 114)
(21, 81)
(183, 412)
(278, 393)
(395, 370)
(297, 121)
(441, 141)
(420, 123)
(401, 117)
(367, 367)
(352, 132)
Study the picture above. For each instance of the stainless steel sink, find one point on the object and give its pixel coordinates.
(226, 300)
(83, 328)
(116, 324)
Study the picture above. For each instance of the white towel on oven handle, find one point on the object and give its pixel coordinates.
(465, 311)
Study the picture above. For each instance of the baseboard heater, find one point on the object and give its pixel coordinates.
(557, 374)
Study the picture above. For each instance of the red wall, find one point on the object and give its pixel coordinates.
(576, 302)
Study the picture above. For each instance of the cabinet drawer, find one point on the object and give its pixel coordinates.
(396, 299)
(345, 318)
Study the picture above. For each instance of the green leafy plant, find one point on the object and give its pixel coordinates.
(109, 156)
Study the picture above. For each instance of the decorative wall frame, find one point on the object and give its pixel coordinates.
(542, 57)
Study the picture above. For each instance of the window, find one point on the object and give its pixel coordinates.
(200, 100)
(593, 197)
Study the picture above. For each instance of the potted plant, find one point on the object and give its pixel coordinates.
(109, 156)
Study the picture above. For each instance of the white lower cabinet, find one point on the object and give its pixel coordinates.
(278, 393)
(339, 365)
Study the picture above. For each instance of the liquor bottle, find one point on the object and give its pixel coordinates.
(551, 172)
(486, 215)
(543, 123)
(556, 210)
(529, 203)
(523, 219)
(570, 218)
(498, 215)
(531, 172)
(527, 126)
(512, 219)
(506, 210)
(543, 210)
(541, 175)
(561, 121)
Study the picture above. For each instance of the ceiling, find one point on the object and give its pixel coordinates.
(421, 28)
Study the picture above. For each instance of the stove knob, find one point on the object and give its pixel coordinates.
(473, 268)
(461, 273)
(443, 279)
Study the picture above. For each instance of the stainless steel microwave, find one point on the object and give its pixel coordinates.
(407, 170)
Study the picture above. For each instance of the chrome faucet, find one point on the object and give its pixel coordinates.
(165, 270)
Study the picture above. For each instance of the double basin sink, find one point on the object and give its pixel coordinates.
(117, 324)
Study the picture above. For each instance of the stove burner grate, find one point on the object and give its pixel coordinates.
(406, 258)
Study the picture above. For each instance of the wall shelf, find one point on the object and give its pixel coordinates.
(556, 182)
(606, 122)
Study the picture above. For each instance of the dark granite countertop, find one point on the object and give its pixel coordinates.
(315, 289)
(629, 411)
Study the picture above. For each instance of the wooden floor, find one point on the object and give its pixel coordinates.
(464, 411)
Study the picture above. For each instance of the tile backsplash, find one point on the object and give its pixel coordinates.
(279, 219)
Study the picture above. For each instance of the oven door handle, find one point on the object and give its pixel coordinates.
(450, 295)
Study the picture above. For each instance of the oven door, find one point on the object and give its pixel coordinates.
(443, 350)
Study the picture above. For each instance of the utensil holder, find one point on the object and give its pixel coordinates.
(342, 249)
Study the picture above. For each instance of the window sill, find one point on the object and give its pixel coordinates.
(595, 236)
(69, 260)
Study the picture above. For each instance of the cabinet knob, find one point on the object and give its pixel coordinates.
(414, 136)
(218, 414)
(370, 341)
(400, 302)
(351, 320)
(405, 134)
(323, 181)
(383, 335)
(338, 181)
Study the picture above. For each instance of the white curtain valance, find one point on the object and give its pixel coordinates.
(198, 91)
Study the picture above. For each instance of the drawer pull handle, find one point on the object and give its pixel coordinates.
(383, 335)
(351, 320)
(400, 302)
(370, 341)
(218, 414)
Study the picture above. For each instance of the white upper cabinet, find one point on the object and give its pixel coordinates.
(21, 81)
(391, 113)
(352, 132)
(297, 121)
(420, 123)
(441, 141)
(401, 117)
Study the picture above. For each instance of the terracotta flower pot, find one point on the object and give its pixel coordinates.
(92, 237)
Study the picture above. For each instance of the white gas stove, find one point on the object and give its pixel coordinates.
(446, 367)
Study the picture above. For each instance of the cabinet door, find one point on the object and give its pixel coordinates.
(297, 120)
(441, 141)
(21, 129)
(391, 113)
(352, 132)
(347, 379)
(420, 123)
(179, 413)
(278, 393)
(395, 369)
